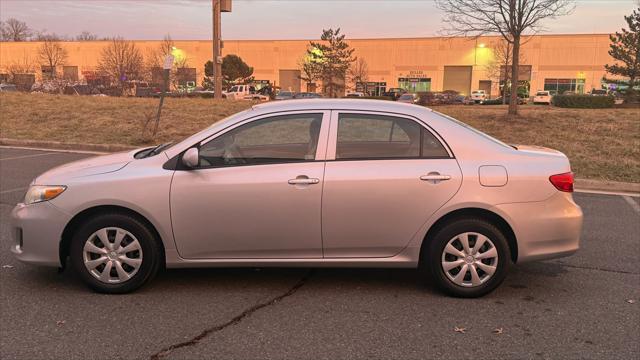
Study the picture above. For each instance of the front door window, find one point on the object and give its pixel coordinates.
(279, 139)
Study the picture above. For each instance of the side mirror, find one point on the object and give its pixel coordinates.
(191, 158)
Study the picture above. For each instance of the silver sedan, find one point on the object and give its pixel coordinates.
(309, 183)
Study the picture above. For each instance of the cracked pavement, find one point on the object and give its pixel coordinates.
(576, 307)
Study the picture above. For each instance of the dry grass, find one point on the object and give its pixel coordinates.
(106, 120)
(601, 143)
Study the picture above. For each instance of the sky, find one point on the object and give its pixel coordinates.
(274, 19)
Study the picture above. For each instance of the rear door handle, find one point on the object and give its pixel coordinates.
(303, 180)
(435, 177)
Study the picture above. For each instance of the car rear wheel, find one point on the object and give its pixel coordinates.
(468, 258)
(115, 253)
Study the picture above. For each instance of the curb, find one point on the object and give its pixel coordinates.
(580, 184)
(607, 186)
(43, 144)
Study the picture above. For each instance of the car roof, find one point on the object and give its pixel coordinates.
(338, 104)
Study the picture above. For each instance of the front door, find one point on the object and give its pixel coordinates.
(256, 192)
(390, 174)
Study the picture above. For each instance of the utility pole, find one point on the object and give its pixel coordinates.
(217, 56)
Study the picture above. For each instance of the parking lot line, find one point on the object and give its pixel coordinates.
(12, 190)
(634, 205)
(26, 156)
(599, 192)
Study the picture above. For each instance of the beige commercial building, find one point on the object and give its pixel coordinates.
(553, 62)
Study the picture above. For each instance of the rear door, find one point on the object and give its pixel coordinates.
(385, 176)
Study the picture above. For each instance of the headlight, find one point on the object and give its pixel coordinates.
(38, 193)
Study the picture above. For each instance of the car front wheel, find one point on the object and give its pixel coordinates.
(468, 258)
(115, 253)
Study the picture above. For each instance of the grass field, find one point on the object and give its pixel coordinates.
(601, 143)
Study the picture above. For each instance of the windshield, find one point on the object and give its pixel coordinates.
(488, 137)
(193, 138)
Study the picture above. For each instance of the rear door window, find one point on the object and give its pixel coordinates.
(368, 136)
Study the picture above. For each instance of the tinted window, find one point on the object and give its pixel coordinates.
(362, 136)
(287, 138)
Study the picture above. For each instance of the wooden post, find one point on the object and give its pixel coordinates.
(168, 63)
(217, 57)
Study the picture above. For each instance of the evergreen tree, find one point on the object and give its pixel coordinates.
(625, 49)
(334, 57)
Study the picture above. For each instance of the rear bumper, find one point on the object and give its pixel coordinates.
(547, 229)
(37, 230)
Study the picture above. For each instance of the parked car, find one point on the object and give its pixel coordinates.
(238, 92)
(478, 96)
(8, 88)
(542, 97)
(284, 95)
(307, 95)
(395, 93)
(522, 99)
(599, 92)
(408, 98)
(355, 94)
(465, 100)
(277, 185)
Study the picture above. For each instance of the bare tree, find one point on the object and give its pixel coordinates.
(309, 71)
(359, 71)
(122, 61)
(499, 68)
(43, 35)
(512, 19)
(52, 54)
(155, 59)
(86, 36)
(16, 30)
(23, 66)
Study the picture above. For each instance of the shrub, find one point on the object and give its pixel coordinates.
(377, 97)
(583, 101)
(492, 102)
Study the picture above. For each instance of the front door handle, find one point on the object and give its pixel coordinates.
(303, 180)
(435, 177)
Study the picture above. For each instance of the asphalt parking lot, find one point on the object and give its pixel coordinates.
(585, 306)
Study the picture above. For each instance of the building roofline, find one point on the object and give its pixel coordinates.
(348, 39)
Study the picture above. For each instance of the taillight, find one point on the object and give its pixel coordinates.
(562, 182)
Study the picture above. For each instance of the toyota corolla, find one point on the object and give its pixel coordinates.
(310, 183)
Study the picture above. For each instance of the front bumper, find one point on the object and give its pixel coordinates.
(546, 229)
(37, 231)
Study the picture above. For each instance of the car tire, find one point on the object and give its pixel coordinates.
(136, 262)
(435, 257)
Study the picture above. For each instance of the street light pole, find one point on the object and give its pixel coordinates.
(217, 58)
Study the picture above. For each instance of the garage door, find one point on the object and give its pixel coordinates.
(290, 80)
(457, 78)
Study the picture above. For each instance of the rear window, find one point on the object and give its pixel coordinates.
(488, 137)
(542, 93)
